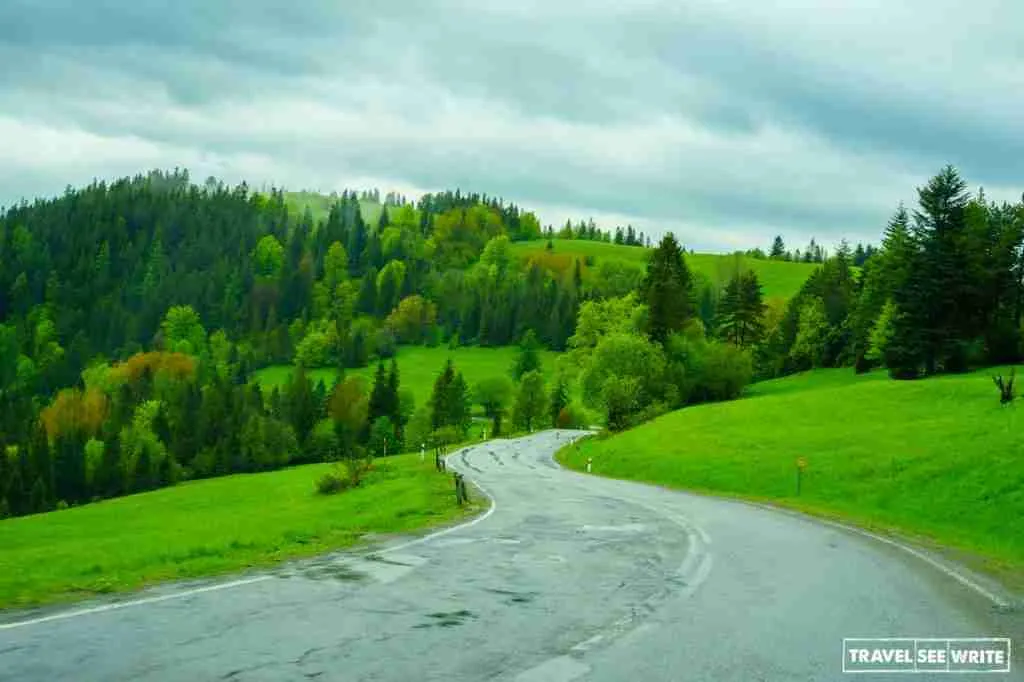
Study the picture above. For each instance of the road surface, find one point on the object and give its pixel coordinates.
(568, 577)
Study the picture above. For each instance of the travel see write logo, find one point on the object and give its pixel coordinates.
(933, 655)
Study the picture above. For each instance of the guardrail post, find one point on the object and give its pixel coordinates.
(458, 488)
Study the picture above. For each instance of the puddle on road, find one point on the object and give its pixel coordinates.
(442, 619)
(331, 572)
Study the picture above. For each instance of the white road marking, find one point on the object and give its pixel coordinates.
(135, 602)
(446, 531)
(587, 643)
(938, 565)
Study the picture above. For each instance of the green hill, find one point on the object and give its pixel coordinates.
(939, 459)
(778, 278)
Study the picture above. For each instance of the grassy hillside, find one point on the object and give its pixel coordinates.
(419, 366)
(208, 527)
(778, 278)
(938, 458)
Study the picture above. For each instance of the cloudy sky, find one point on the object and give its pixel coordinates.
(724, 121)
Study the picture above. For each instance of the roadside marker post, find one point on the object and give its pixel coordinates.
(590, 460)
(801, 464)
(461, 495)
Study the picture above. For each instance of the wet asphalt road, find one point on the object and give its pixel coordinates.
(569, 577)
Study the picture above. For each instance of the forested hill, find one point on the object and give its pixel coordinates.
(132, 315)
(94, 271)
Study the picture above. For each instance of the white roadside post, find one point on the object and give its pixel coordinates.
(590, 460)
(423, 451)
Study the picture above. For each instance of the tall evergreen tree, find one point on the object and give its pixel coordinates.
(944, 312)
(440, 409)
(741, 310)
(667, 290)
(380, 398)
(528, 358)
(302, 407)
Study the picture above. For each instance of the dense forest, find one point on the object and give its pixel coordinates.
(132, 315)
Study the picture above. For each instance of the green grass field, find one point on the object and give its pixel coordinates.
(213, 526)
(778, 279)
(419, 366)
(938, 459)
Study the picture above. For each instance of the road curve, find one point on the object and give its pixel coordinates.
(568, 577)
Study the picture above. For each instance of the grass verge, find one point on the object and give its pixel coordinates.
(211, 527)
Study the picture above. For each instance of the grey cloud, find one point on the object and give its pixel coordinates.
(814, 122)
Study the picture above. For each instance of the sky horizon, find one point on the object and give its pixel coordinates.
(724, 122)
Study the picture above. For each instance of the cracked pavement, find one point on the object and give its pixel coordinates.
(571, 577)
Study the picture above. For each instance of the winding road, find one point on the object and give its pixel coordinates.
(568, 576)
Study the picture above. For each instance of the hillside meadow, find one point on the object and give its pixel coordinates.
(212, 526)
(419, 366)
(778, 278)
(938, 459)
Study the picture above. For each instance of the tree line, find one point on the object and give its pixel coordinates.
(813, 253)
(943, 293)
(133, 314)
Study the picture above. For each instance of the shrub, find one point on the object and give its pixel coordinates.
(330, 483)
(571, 417)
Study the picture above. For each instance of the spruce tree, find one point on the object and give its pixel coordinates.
(944, 310)
(667, 290)
(440, 411)
(394, 384)
(528, 358)
(380, 400)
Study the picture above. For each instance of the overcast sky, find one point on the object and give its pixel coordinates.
(724, 121)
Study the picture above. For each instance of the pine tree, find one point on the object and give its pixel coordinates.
(440, 411)
(741, 310)
(394, 385)
(528, 358)
(380, 399)
(302, 407)
(778, 250)
(458, 403)
(530, 400)
(945, 313)
(667, 290)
